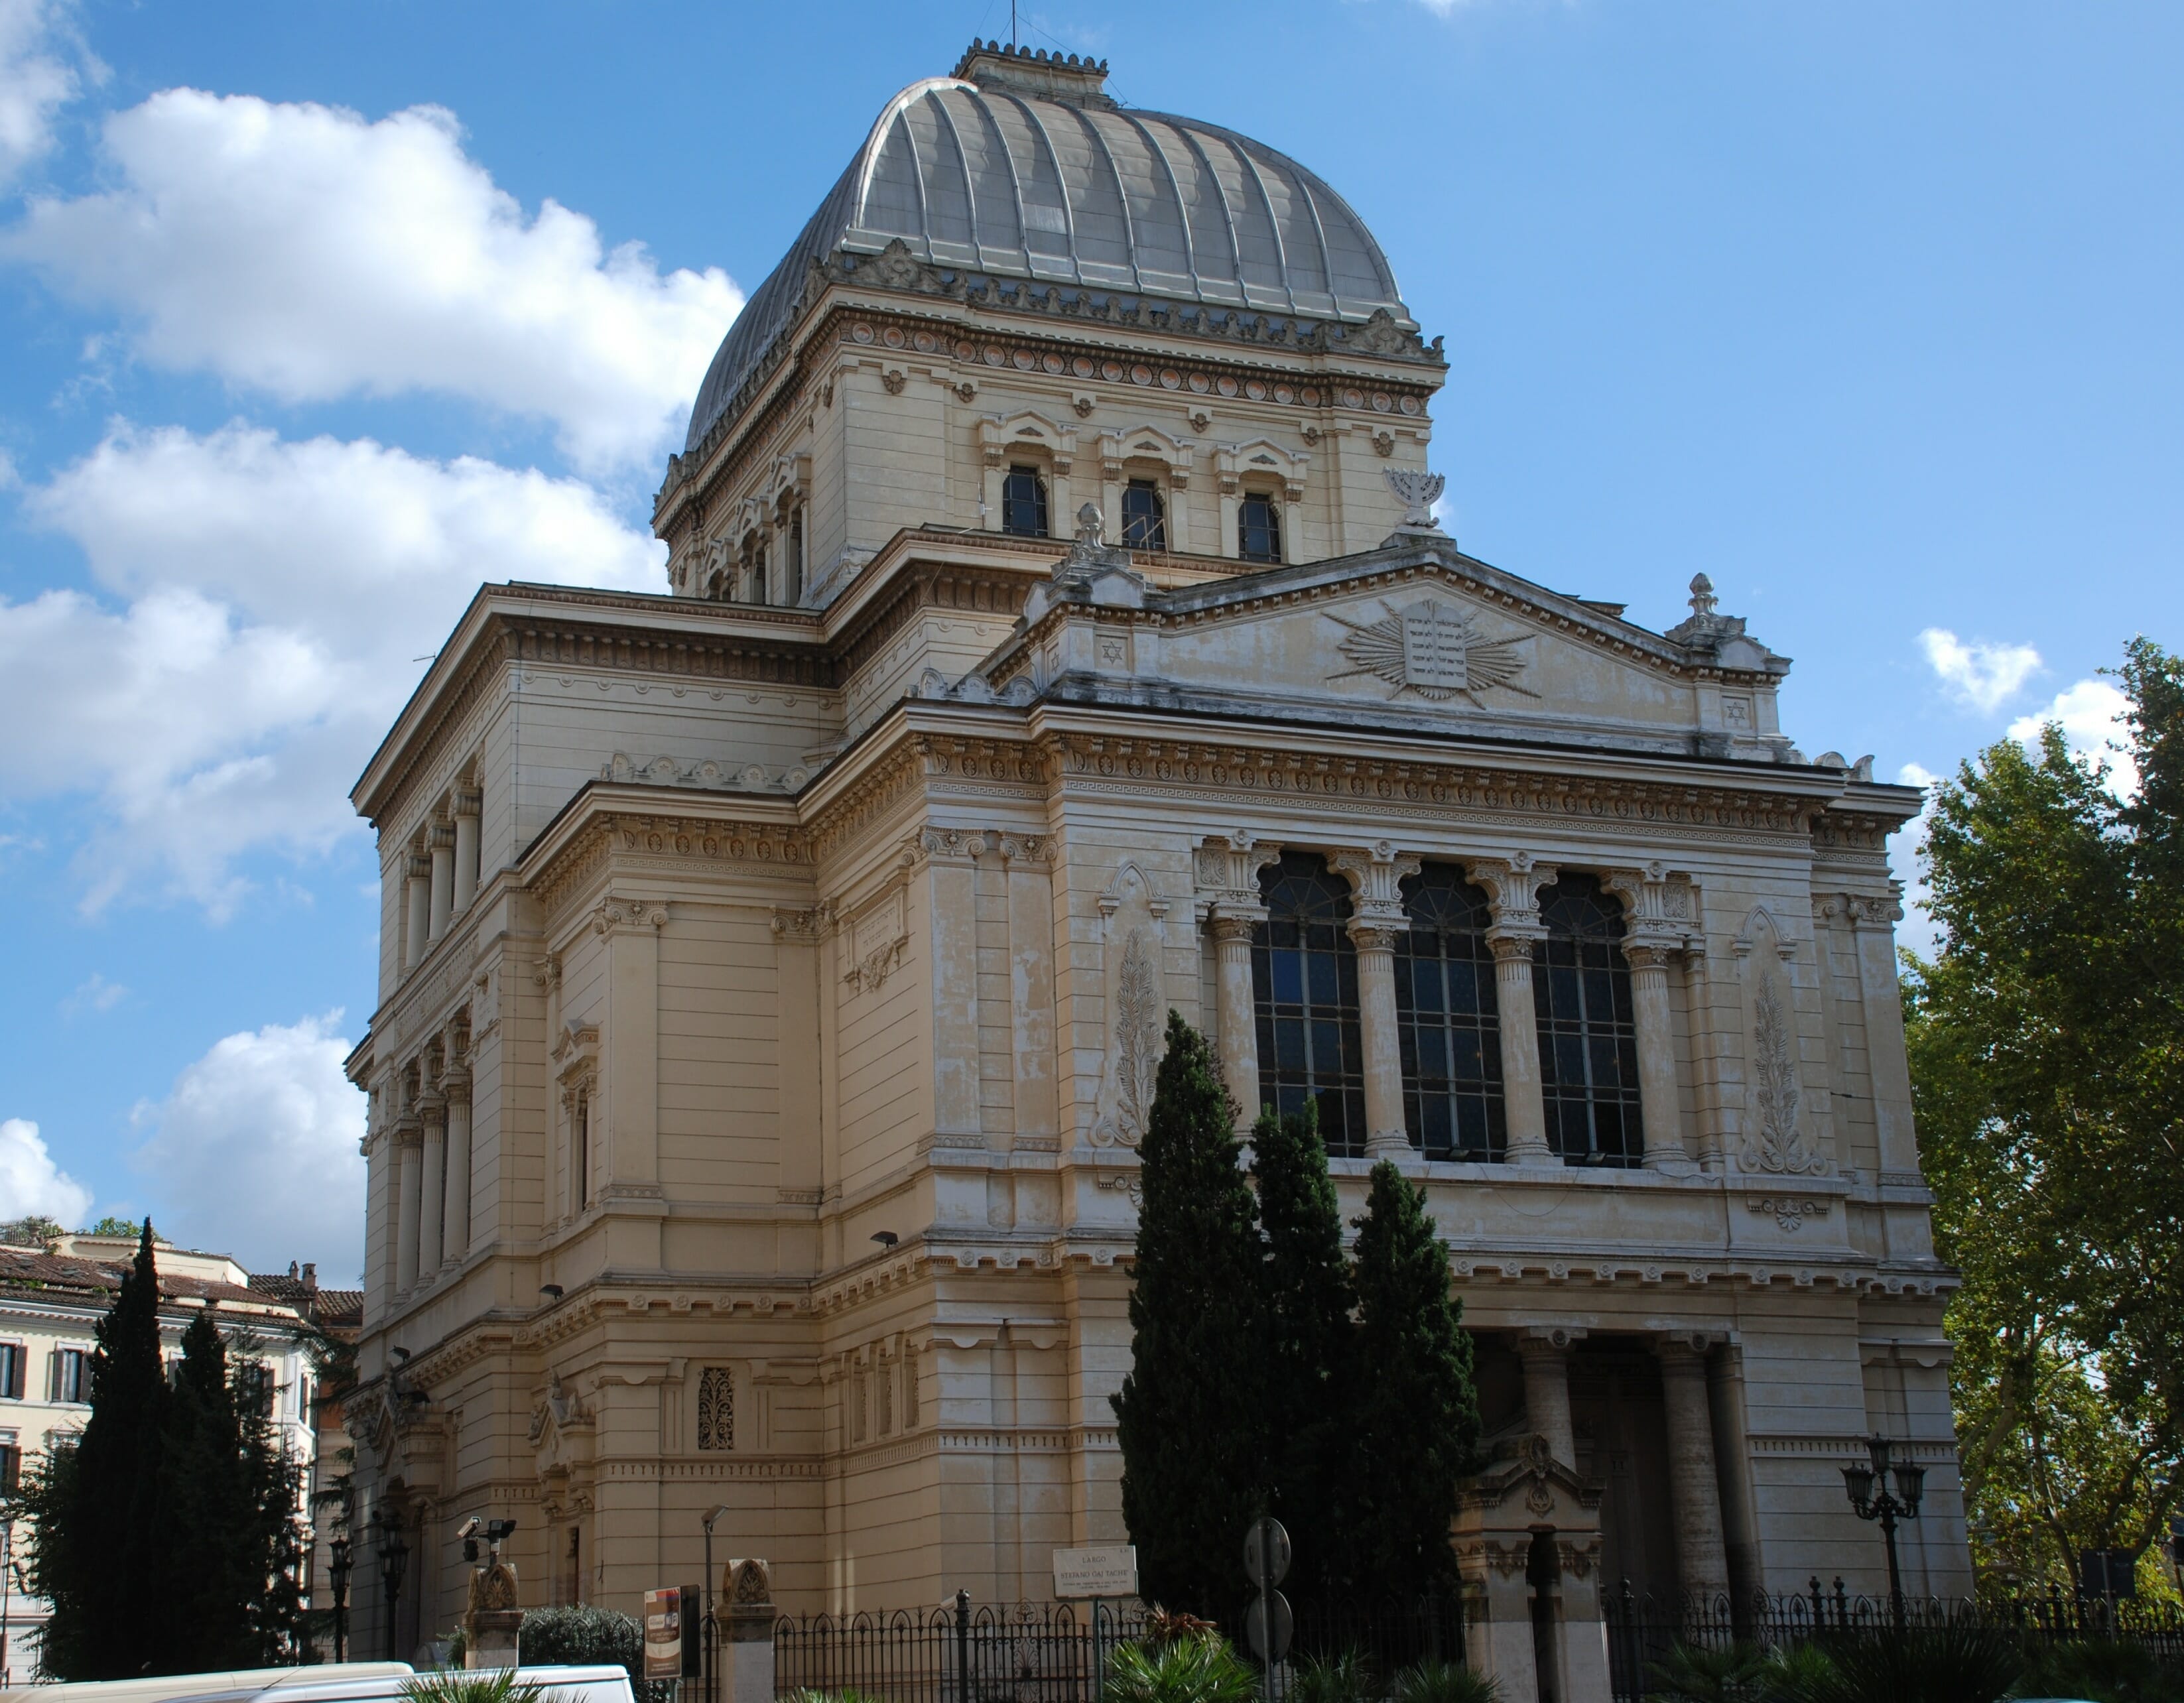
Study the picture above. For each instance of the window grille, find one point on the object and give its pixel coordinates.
(1447, 1019)
(1304, 986)
(11, 1370)
(1587, 1039)
(716, 1408)
(1259, 530)
(1144, 516)
(71, 1374)
(1024, 502)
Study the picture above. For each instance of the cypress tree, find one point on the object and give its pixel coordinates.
(1417, 1415)
(1191, 1415)
(1309, 1344)
(98, 1557)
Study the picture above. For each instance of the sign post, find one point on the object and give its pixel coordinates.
(1269, 1625)
(1096, 1575)
(671, 1620)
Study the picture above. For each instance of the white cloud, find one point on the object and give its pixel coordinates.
(1983, 675)
(2091, 714)
(304, 251)
(41, 69)
(95, 993)
(254, 1152)
(32, 1183)
(273, 597)
(1917, 931)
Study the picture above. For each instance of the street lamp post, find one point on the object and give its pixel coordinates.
(710, 1634)
(1859, 1482)
(393, 1562)
(340, 1558)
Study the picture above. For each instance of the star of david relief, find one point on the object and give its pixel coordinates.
(1431, 647)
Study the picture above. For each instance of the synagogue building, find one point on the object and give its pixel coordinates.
(1056, 631)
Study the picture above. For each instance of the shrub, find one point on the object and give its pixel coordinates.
(2101, 1670)
(1197, 1669)
(586, 1633)
(1955, 1662)
(1445, 1682)
(1691, 1673)
(1341, 1678)
(488, 1685)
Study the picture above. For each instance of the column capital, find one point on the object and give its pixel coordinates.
(1226, 868)
(418, 868)
(407, 1131)
(1376, 875)
(1549, 1338)
(455, 1083)
(623, 916)
(441, 837)
(1514, 941)
(1228, 921)
(1375, 934)
(1512, 884)
(469, 802)
(432, 1110)
(1686, 1350)
(1648, 955)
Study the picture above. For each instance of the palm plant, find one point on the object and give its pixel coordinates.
(1693, 1673)
(1445, 1682)
(1343, 1679)
(482, 1685)
(1201, 1668)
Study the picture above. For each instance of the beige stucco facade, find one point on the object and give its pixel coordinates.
(768, 989)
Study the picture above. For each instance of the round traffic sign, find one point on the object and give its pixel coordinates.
(1255, 1626)
(1267, 1552)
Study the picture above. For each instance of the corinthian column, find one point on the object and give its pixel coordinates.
(408, 1183)
(1514, 888)
(455, 1232)
(418, 897)
(467, 805)
(1228, 880)
(1650, 1008)
(1376, 879)
(442, 843)
(433, 1193)
(1237, 1012)
(1702, 1563)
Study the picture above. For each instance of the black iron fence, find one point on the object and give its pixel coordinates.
(1056, 1653)
(1642, 1629)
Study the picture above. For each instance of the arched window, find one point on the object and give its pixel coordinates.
(1024, 502)
(1144, 517)
(1304, 986)
(1258, 530)
(1447, 1019)
(1588, 1041)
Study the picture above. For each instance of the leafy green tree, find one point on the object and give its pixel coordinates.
(1415, 1418)
(1311, 1383)
(1189, 1416)
(2046, 1047)
(99, 1554)
(110, 1226)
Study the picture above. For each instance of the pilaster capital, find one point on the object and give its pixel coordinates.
(1684, 1351)
(456, 1084)
(1879, 912)
(442, 837)
(1648, 957)
(1376, 876)
(469, 802)
(623, 916)
(407, 1131)
(1513, 885)
(1226, 866)
(1660, 906)
(418, 869)
(957, 847)
(432, 1111)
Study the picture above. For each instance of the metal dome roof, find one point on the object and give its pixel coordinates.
(993, 179)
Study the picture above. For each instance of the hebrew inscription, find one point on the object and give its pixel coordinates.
(1432, 648)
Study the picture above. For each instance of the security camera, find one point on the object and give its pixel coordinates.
(470, 1528)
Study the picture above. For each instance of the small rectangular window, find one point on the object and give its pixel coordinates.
(791, 592)
(11, 1370)
(71, 1374)
(758, 576)
(1259, 530)
(11, 1469)
(1145, 517)
(1024, 502)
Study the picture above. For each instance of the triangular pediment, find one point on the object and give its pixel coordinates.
(1421, 640)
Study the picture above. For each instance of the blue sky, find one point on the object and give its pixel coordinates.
(312, 316)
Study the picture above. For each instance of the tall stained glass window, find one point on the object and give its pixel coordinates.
(1588, 1041)
(1447, 1019)
(1304, 983)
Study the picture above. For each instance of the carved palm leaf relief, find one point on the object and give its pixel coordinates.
(1137, 1039)
(1781, 1145)
(1433, 649)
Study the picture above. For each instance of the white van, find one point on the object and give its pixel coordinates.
(347, 1682)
